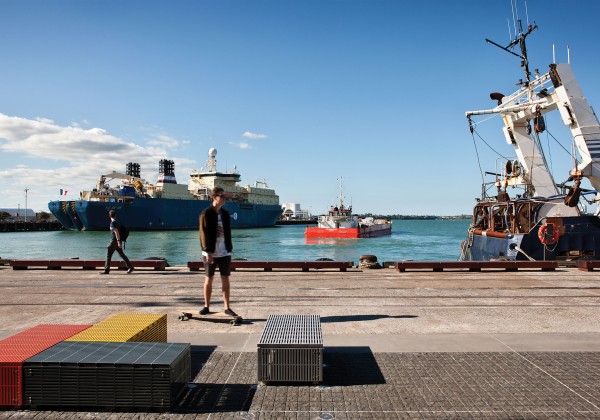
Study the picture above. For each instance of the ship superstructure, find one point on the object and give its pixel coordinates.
(166, 205)
(546, 220)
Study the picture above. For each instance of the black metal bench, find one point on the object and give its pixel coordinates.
(57, 264)
(475, 265)
(286, 265)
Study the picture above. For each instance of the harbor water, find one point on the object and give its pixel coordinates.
(420, 240)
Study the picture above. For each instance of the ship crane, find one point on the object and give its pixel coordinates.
(558, 89)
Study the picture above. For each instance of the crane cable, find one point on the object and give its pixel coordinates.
(473, 133)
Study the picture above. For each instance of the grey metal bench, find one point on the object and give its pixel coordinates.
(290, 349)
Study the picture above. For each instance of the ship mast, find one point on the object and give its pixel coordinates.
(558, 89)
(520, 39)
(518, 110)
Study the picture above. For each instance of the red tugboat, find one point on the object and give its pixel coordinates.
(341, 223)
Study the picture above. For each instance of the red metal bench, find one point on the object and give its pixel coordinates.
(588, 265)
(286, 265)
(475, 265)
(57, 264)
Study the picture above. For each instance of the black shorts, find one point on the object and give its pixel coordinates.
(224, 264)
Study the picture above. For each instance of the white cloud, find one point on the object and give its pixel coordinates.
(67, 157)
(253, 136)
(241, 145)
(164, 140)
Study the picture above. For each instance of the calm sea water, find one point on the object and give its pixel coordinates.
(424, 240)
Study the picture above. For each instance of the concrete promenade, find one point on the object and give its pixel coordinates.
(418, 344)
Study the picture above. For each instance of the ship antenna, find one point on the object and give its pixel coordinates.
(515, 14)
(520, 40)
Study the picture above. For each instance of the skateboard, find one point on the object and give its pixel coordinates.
(185, 314)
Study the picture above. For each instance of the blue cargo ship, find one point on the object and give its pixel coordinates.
(167, 205)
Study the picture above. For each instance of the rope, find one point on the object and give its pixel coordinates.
(478, 160)
(491, 148)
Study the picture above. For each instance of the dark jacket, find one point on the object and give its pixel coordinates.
(209, 221)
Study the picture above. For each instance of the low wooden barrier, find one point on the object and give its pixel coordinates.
(286, 265)
(475, 265)
(588, 265)
(57, 264)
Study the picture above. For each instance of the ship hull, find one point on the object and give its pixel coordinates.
(579, 239)
(158, 214)
(350, 233)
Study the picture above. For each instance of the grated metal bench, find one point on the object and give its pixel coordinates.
(475, 265)
(270, 265)
(290, 349)
(57, 264)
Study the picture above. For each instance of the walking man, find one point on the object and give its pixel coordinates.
(115, 244)
(215, 240)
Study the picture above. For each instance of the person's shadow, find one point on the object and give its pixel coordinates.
(351, 318)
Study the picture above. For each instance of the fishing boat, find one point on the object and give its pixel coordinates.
(340, 223)
(167, 205)
(523, 212)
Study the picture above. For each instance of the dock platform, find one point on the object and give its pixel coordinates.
(417, 344)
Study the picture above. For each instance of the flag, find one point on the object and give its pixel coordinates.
(63, 192)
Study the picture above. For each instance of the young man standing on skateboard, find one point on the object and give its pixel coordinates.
(215, 240)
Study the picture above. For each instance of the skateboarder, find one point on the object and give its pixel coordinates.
(215, 241)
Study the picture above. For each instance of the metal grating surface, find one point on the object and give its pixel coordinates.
(19, 347)
(127, 327)
(290, 349)
(128, 375)
(291, 331)
(290, 365)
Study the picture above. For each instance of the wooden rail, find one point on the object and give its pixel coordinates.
(286, 265)
(588, 265)
(475, 265)
(57, 264)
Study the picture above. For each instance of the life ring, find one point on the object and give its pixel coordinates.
(542, 234)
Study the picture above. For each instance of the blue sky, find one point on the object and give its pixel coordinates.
(299, 93)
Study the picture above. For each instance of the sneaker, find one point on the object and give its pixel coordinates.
(130, 270)
(204, 311)
(230, 312)
(103, 272)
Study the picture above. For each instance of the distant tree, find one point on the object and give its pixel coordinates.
(4, 215)
(43, 215)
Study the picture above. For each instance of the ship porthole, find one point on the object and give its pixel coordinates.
(234, 216)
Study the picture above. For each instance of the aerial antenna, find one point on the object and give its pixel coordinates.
(526, 12)
(568, 54)
(553, 54)
(513, 6)
(519, 40)
(509, 32)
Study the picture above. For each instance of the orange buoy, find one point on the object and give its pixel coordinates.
(548, 238)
